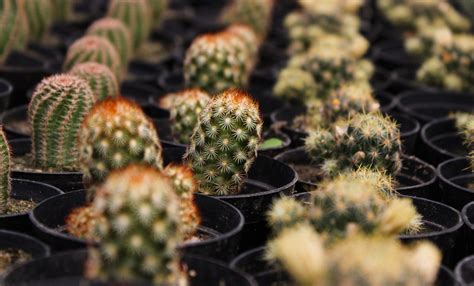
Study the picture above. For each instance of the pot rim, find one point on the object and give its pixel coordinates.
(445, 180)
(8, 85)
(457, 269)
(465, 218)
(428, 141)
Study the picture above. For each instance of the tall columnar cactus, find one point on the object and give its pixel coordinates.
(114, 134)
(295, 85)
(140, 230)
(158, 8)
(56, 110)
(367, 140)
(117, 33)
(215, 62)
(136, 15)
(12, 27)
(5, 184)
(225, 142)
(184, 112)
(39, 14)
(100, 78)
(62, 9)
(94, 49)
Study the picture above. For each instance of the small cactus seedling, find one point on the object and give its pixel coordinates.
(13, 28)
(140, 230)
(114, 134)
(158, 8)
(184, 112)
(5, 165)
(56, 110)
(286, 212)
(82, 221)
(100, 78)
(136, 15)
(117, 33)
(367, 140)
(295, 85)
(225, 142)
(94, 49)
(62, 9)
(39, 14)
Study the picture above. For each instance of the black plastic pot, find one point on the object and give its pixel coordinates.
(67, 268)
(268, 104)
(171, 82)
(441, 141)
(26, 190)
(467, 214)
(392, 56)
(380, 79)
(387, 101)
(221, 222)
(155, 113)
(425, 105)
(464, 271)
(285, 116)
(143, 72)
(455, 176)
(409, 129)
(10, 119)
(400, 82)
(65, 181)
(138, 92)
(6, 90)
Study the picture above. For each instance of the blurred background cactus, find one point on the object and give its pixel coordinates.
(158, 8)
(39, 14)
(295, 85)
(62, 10)
(13, 28)
(5, 167)
(82, 221)
(100, 78)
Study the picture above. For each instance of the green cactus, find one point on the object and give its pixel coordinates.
(225, 142)
(158, 8)
(366, 140)
(56, 110)
(100, 78)
(136, 15)
(39, 14)
(295, 85)
(94, 49)
(5, 165)
(114, 134)
(13, 28)
(62, 9)
(117, 33)
(286, 212)
(140, 229)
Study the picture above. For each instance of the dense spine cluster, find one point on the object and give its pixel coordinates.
(39, 14)
(82, 221)
(5, 166)
(286, 213)
(100, 78)
(56, 110)
(225, 142)
(12, 21)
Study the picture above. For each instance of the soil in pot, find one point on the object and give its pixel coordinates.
(456, 182)
(6, 90)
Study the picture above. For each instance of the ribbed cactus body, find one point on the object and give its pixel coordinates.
(39, 14)
(94, 49)
(140, 231)
(225, 142)
(5, 184)
(136, 15)
(114, 134)
(56, 110)
(100, 78)
(158, 8)
(13, 28)
(117, 33)
(62, 9)
(295, 85)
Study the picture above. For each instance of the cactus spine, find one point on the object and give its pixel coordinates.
(39, 14)
(12, 20)
(56, 110)
(94, 49)
(5, 165)
(117, 33)
(100, 78)
(225, 142)
(140, 231)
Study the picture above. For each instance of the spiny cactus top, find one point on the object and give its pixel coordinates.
(117, 33)
(5, 165)
(141, 228)
(366, 140)
(39, 14)
(225, 142)
(57, 108)
(94, 49)
(114, 134)
(286, 212)
(295, 85)
(100, 78)
(136, 14)
(12, 21)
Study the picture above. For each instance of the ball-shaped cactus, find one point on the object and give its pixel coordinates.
(140, 230)
(82, 221)
(114, 134)
(94, 49)
(225, 142)
(100, 78)
(136, 15)
(14, 28)
(39, 14)
(117, 33)
(5, 166)
(465, 125)
(57, 108)
(295, 85)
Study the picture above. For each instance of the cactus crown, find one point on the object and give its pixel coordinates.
(12, 21)
(141, 228)
(100, 78)
(286, 212)
(5, 165)
(39, 14)
(56, 110)
(114, 134)
(225, 142)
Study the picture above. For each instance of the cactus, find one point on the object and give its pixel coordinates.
(140, 231)
(250, 41)
(465, 125)
(215, 62)
(225, 142)
(39, 14)
(13, 28)
(295, 85)
(136, 15)
(82, 221)
(114, 134)
(5, 165)
(158, 8)
(94, 49)
(100, 78)
(117, 33)
(62, 9)
(285, 213)
(428, 41)
(57, 108)
(366, 140)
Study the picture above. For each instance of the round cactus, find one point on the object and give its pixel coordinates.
(100, 78)
(249, 38)
(56, 110)
(136, 15)
(140, 230)
(5, 165)
(285, 213)
(94, 49)
(158, 8)
(39, 14)
(225, 142)
(14, 32)
(82, 221)
(117, 33)
(295, 85)
(465, 125)
(114, 134)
